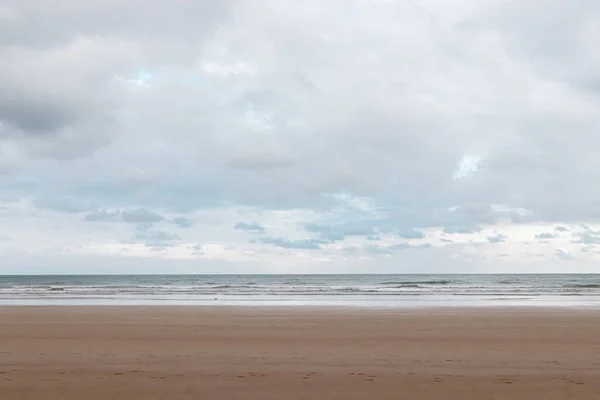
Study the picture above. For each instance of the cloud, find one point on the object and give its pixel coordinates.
(588, 236)
(390, 249)
(461, 229)
(545, 235)
(103, 216)
(278, 113)
(375, 249)
(498, 238)
(183, 222)
(369, 227)
(300, 244)
(249, 226)
(561, 229)
(141, 215)
(562, 254)
(339, 231)
(157, 238)
(60, 87)
(588, 249)
(409, 234)
(143, 226)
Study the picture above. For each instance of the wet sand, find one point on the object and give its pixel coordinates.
(298, 353)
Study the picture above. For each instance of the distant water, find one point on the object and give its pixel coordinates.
(332, 290)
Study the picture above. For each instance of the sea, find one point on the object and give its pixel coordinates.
(304, 290)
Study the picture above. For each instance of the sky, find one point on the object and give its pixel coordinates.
(284, 136)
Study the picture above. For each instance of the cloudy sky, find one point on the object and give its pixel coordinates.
(299, 136)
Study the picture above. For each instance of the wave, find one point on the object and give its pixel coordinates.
(585, 286)
(249, 286)
(432, 282)
(115, 287)
(408, 286)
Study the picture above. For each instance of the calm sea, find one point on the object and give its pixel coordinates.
(332, 290)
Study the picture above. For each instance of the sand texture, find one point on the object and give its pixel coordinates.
(293, 353)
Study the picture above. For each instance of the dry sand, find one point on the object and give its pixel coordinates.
(293, 353)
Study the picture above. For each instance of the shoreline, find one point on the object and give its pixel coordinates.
(590, 304)
(325, 308)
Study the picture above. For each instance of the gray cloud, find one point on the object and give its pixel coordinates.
(35, 118)
(562, 254)
(409, 234)
(339, 231)
(498, 238)
(545, 235)
(183, 222)
(158, 239)
(103, 216)
(587, 237)
(141, 215)
(390, 249)
(371, 228)
(376, 249)
(249, 226)
(561, 229)
(461, 229)
(143, 226)
(588, 249)
(60, 85)
(301, 244)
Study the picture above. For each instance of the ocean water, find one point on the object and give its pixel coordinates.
(303, 290)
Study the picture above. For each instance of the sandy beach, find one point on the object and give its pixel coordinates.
(298, 353)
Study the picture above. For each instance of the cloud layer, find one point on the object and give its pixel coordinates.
(283, 136)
